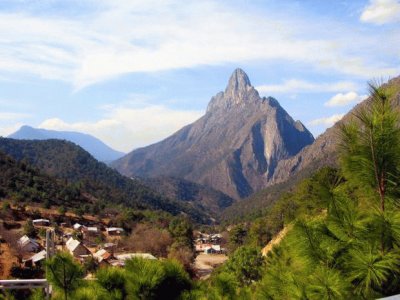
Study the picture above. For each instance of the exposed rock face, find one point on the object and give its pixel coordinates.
(235, 147)
(323, 152)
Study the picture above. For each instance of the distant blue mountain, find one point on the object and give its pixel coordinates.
(94, 146)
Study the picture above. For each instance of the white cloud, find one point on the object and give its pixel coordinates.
(328, 121)
(12, 116)
(381, 12)
(299, 86)
(121, 37)
(341, 99)
(125, 128)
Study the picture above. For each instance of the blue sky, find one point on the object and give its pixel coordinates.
(133, 72)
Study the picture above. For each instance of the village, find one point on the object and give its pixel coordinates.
(25, 245)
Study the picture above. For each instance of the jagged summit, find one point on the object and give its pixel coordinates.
(239, 81)
(233, 148)
(238, 92)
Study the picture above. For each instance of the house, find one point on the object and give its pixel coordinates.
(119, 260)
(213, 249)
(41, 222)
(77, 226)
(110, 247)
(123, 257)
(200, 247)
(26, 244)
(102, 255)
(115, 231)
(90, 231)
(76, 248)
(36, 259)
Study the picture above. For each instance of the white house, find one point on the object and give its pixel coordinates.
(77, 226)
(114, 231)
(126, 256)
(90, 231)
(212, 249)
(41, 222)
(36, 259)
(76, 248)
(102, 255)
(26, 244)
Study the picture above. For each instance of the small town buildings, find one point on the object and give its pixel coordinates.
(103, 256)
(26, 244)
(90, 231)
(76, 248)
(41, 222)
(36, 259)
(209, 248)
(115, 231)
(126, 256)
(110, 247)
(119, 260)
(77, 226)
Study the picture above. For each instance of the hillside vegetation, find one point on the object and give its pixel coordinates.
(343, 241)
(24, 184)
(67, 161)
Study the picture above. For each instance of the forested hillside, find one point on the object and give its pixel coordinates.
(65, 160)
(24, 184)
(183, 190)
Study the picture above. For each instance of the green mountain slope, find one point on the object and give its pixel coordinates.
(23, 183)
(183, 190)
(70, 162)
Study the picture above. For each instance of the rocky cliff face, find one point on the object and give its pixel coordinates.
(235, 147)
(323, 152)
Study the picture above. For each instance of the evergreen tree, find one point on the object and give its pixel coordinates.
(64, 273)
(370, 147)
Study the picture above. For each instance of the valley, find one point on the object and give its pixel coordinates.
(218, 202)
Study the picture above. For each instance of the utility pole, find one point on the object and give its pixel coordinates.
(50, 251)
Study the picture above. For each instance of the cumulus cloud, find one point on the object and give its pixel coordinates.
(341, 99)
(381, 12)
(125, 128)
(119, 37)
(328, 121)
(300, 86)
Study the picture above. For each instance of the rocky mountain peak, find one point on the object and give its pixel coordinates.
(238, 92)
(238, 82)
(234, 148)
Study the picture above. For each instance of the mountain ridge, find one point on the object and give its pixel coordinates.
(93, 145)
(233, 148)
(67, 161)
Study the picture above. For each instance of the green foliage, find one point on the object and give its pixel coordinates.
(370, 147)
(369, 270)
(64, 273)
(91, 291)
(326, 283)
(112, 280)
(181, 229)
(37, 294)
(237, 237)
(82, 173)
(246, 264)
(225, 285)
(29, 229)
(153, 279)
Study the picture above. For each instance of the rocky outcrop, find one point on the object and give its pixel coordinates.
(235, 147)
(324, 151)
